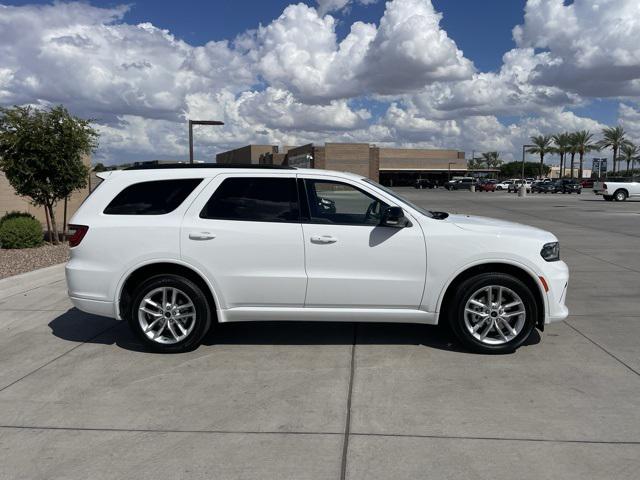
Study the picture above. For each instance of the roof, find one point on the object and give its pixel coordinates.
(165, 166)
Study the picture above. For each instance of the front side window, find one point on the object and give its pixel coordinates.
(152, 198)
(341, 203)
(254, 199)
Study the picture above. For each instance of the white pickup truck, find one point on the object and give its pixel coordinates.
(618, 188)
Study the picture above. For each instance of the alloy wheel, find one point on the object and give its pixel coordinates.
(494, 315)
(166, 315)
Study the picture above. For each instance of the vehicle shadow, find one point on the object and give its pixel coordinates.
(78, 327)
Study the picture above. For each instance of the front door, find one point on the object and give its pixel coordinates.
(244, 233)
(353, 262)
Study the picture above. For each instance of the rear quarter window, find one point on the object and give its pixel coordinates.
(152, 198)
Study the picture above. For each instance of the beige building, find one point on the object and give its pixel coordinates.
(391, 166)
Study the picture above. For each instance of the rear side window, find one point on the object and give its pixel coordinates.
(254, 199)
(152, 198)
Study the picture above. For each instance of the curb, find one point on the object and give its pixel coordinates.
(29, 280)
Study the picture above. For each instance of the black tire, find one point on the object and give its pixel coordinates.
(620, 195)
(195, 294)
(456, 311)
(608, 198)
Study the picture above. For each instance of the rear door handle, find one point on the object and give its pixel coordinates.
(202, 236)
(323, 239)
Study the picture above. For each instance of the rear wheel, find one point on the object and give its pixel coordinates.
(170, 313)
(620, 196)
(493, 313)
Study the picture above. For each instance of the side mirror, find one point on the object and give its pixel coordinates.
(394, 217)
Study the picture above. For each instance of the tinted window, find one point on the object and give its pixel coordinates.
(152, 198)
(254, 199)
(340, 203)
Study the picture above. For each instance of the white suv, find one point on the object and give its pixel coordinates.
(175, 250)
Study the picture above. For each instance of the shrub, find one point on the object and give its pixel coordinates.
(15, 214)
(21, 232)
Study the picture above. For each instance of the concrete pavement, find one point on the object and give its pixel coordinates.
(79, 398)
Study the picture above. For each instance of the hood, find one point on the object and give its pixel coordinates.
(488, 225)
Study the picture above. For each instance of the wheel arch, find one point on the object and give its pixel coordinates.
(518, 271)
(140, 272)
(621, 189)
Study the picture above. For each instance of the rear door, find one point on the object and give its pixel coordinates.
(244, 232)
(353, 262)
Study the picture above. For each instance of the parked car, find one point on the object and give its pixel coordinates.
(515, 186)
(460, 184)
(503, 185)
(568, 186)
(486, 186)
(423, 183)
(618, 188)
(586, 183)
(543, 187)
(175, 251)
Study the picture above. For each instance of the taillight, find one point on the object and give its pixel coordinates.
(76, 234)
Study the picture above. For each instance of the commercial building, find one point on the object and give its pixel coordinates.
(390, 166)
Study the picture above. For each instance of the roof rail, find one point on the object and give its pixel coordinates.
(164, 166)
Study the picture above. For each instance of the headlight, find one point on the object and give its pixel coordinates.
(551, 252)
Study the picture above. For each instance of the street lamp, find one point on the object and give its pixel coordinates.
(198, 122)
(523, 148)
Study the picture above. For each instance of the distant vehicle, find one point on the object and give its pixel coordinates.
(461, 184)
(515, 186)
(568, 185)
(504, 185)
(618, 188)
(423, 183)
(587, 183)
(543, 187)
(486, 186)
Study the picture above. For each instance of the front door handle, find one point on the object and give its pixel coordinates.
(323, 239)
(202, 236)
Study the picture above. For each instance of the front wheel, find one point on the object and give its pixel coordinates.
(169, 313)
(493, 313)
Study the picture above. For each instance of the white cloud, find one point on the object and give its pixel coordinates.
(593, 44)
(299, 51)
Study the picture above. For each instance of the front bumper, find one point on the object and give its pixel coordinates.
(557, 277)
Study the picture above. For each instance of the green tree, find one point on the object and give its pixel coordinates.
(613, 137)
(514, 169)
(629, 153)
(491, 159)
(99, 167)
(542, 146)
(573, 149)
(562, 144)
(475, 163)
(41, 154)
(583, 143)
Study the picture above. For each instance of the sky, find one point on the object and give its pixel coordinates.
(464, 74)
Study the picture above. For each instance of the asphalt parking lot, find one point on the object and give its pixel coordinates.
(80, 399)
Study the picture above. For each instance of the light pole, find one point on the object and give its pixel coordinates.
(523, 147)
(198, 122)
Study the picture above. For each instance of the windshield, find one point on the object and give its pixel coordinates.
(427, 213)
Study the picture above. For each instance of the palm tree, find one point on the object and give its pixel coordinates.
(562, 143)
(629, 153)
(542, 147)
(573, 149)
(491, 159)
(584, 144)
(614, 138)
